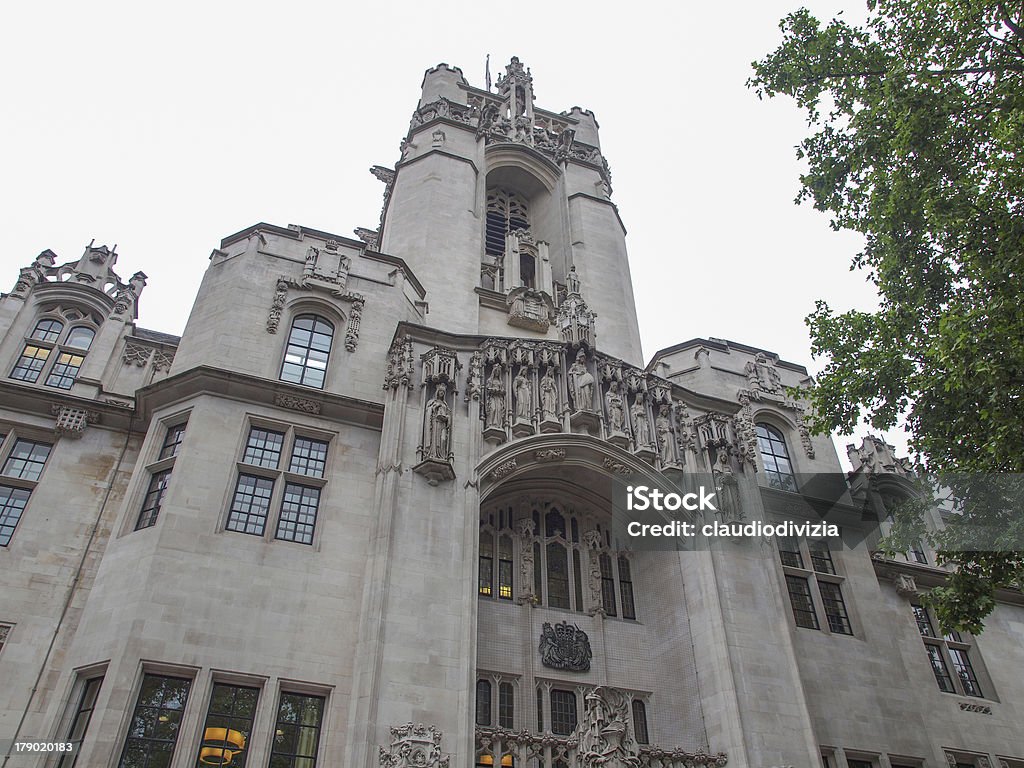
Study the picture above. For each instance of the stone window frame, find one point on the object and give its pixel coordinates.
(771, 470)
(163, 454)
(281, 477)
(800, 564)
(496, 682)
(295, 688)
(319, 315)
(544, 686)
(233, 681)
(70, 319)
(10, 483)
(166, 671)
(83, 677)
(945, 645)
(500, 521)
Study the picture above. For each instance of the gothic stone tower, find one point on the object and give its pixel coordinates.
(359, 514)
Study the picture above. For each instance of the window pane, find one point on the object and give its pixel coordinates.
(154, 499)
(505, 568)
(789, 552)
(298, 513)
(250, 505)
(835, 608)
(607, 585)
(80, 722)
(309, 457)
(309, 345)
(821, 557)
(228, 726)
(506, 705)
(800, 599)
(154, 725)
(47, 330)
(563, 712)
(297, 735)
(485, 585)
(962, 665)
(263, 448)
(12, 504)
(483, 702)
(640, 722)
(81, 338)
(558, 576)
(775, 457)
(939, 668)
(924, 622)
(65, 370)
(626, 589)
(27, 460)
(31, 362)
(172, 441)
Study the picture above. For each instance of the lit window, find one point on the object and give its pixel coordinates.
(563, 712)
(80, 722)
(45, 343)
(309, 346)
(486, 581)
(640, 722)
(228, 726)
(156, 720)
(297, 734)
(775, 457)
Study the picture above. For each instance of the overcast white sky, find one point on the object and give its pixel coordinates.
(165, 128)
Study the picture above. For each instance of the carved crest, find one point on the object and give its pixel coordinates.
(564, 646)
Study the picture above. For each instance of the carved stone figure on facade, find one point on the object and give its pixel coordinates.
(277, 306)
(548, 396)
(439, 418)
(605, 737)
(761, 374)
(572, 281)
(613, 407)
(726, 485)
(663, 426)
(564, 646)
(526, 529)
(641, 425)
(592, 539)
(495, 399)
(524, 396)
(581, 383)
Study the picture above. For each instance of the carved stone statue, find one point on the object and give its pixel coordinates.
(663, 425)
(605, 737)
(439, 417)
(524, 396)
(548, 395)
(592, 539)
(581, 384)
(728, 489)
(495, 399)
(761, 374)
(613, 406)
(641, 426)
(525, 528)
(572, 281)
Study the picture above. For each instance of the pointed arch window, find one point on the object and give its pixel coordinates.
(50, 344)
(483, 702)
(309, 347)
(775, 457)
(640, 722)
(507, 211)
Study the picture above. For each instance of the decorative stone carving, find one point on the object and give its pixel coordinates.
(982, 709)
(503, 469)
(277, 305)
(575, 321)
(354, 319)
(581, 384)
(666, 440)
(614, 411)
(729, 508)
(369, 236)
(162, 360)
(805, 434)
(414, 746)
(550, 454)
(474, 379)
(136, 354)
(905, 585)
(686, 434)
(523, 392)
(875, 455)
(549, 397)
(564, 646)
(71, 422)
(400, 364)
(495, 403)
(303, 404)
(951, 759)
(595, 546)
(605, 734)
(435, 451)
(761, 374)
(529, 308)
(525, 529)
(386, 175)
(616, 467)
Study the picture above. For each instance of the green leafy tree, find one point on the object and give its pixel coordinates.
(916, 124)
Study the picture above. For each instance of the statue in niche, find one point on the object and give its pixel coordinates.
(548, 395)
(582, 384)
(572, 281)
(613, 404)
(439, 417)
(592, 539)
(525, 528)
(663, 425)
(495, 399)
(641, 427)
(728, 489)
(524, 396)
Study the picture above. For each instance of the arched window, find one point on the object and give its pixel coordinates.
(775, 458)
(506, 705)
(640, 722)
(483, 702)
(309, 345)
(506, 212)
(48, 344)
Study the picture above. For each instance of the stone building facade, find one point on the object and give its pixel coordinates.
(359, 514)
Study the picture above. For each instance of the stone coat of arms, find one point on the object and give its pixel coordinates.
(564, 646)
